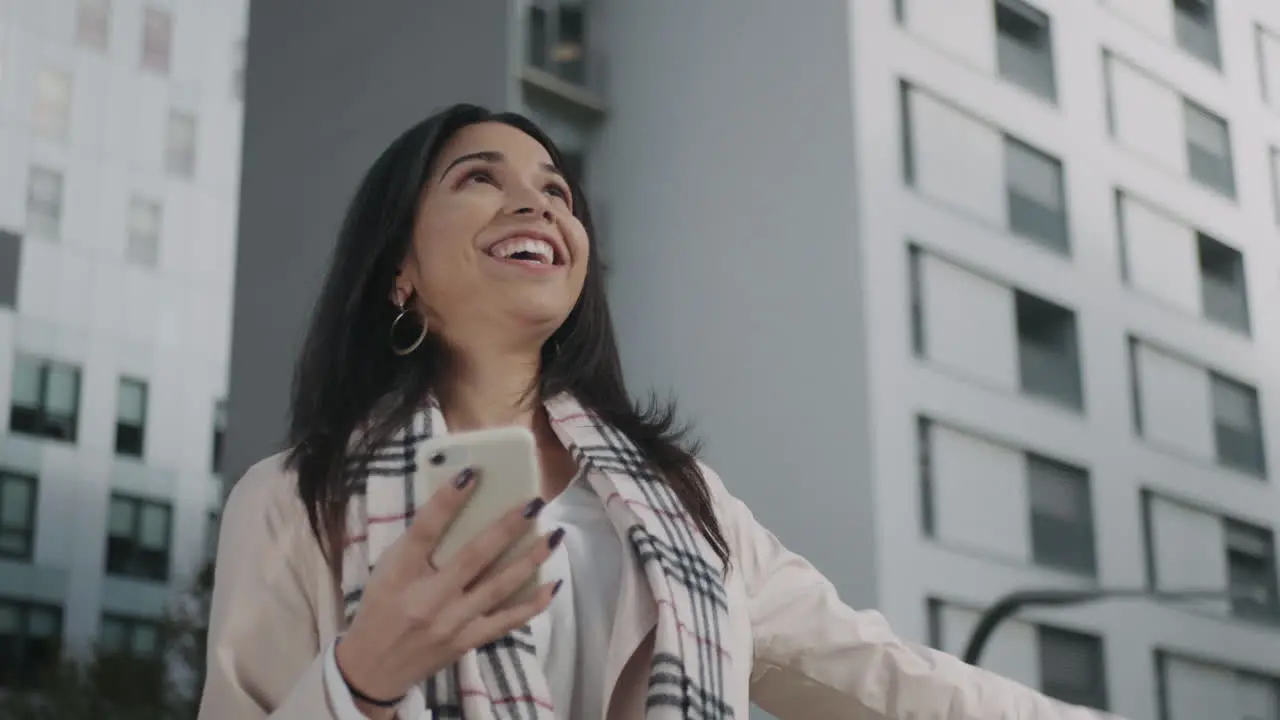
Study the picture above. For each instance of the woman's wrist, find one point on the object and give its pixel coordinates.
(368, 699)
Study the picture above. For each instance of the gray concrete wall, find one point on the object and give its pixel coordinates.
(329, 84)
(729, 169)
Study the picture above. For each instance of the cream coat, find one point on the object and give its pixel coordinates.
(277, 610)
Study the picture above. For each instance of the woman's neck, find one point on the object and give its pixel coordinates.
(488, 390)
(492, 390)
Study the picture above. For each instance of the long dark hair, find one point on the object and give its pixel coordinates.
(348, 379)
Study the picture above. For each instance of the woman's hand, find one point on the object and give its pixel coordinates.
(416, 620)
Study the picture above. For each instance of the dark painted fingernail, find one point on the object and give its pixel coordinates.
(534, 507)
(556, 588)
(464, 478)
(554, 539)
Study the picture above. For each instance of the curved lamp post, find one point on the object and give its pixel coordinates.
(1015, 601)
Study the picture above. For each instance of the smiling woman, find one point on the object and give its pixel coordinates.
(464, 294)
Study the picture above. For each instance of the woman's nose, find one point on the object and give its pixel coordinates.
(529, 201)
(544, 210)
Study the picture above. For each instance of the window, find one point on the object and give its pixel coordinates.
(219, 434)
(917, 300)
(1196, 26)
(51, 113)
(93, 24)
(557, 39)
(44, 203)
(1024, 47)
(1209, 149)
(984, 496)
(1194, 548)
(1048, 359)
(129, 636)
(30, 639)
(1037, 204)
(10, 261)
(1222, 284)
(46, 399)
(1061, 516)
(144, 232)
(1268, 49)
(1072, 668)
(1237, 426)
(141, 640)
(1191, 689)
(924, 456)
(131, 417)
(157, 40)
(17, 515)
(1251, 571)
(138, 538)
(180, 145)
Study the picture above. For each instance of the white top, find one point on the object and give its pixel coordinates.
(572, 637)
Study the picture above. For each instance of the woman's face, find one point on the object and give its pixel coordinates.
(497, 254)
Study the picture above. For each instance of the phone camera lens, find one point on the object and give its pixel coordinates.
(437, 459)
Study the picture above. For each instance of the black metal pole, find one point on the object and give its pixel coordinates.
(1015, 601)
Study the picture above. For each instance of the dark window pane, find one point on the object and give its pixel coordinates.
(46, 399)
(128, 440)
(1048, 361)
(30, 640)
(1209, 149)
(1037, 203)
(1237, 426)
(1251, 571)
(138, 539)
(1071, 667)
(1024, 48)
(538, 40)
(10, 260)
(570, 51)
(1061, 516)
(1222, 283)
(1196, 26)
(17, 515)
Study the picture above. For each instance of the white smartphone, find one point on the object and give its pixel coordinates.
(506, 463)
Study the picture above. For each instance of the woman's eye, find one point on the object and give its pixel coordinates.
(556, 190)
(479, 175)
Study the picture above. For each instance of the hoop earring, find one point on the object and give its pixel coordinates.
(404, 311)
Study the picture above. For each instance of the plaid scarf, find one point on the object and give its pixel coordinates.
(504, 679)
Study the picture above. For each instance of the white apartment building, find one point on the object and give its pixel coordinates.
(1087, 229)
(965, 296)
(120, 125)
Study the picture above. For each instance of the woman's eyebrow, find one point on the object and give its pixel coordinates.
(493, 156)
(486, 155)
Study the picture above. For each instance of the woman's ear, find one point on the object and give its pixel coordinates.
(401, 289)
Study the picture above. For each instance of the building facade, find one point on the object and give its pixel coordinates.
(965, 296)
(119, 169)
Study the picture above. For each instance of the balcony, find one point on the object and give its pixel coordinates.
(559, 60)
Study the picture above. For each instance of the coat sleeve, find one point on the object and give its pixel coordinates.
(265, 658)
(816, 657)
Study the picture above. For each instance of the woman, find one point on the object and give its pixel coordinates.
(464, 294)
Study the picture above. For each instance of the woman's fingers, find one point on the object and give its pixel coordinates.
(490, 627)
(433, 519)
(493, 591)
(412, 552)
(479, 554)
